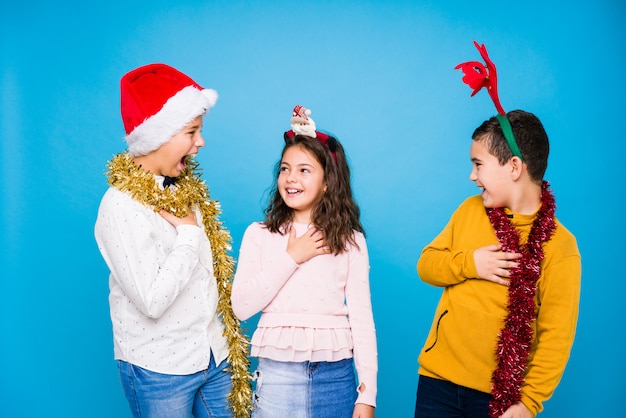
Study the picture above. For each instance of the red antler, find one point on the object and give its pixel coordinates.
(477, 76)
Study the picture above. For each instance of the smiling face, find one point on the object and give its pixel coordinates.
(170, 158)
(492, 178)
(300, 182)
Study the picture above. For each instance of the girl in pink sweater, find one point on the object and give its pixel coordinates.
(306, 268)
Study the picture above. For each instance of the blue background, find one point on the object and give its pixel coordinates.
(379, 75)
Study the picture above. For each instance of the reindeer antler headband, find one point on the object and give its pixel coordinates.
(477, 75)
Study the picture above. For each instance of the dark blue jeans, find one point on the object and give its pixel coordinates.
(442, 399)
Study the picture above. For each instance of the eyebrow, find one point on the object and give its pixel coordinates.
(296, 165)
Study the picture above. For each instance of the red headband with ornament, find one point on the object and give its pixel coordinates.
(303, 124)
(477, 75)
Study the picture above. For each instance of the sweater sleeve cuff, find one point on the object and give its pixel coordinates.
(188, 235)
(470, 266)
(368, 396)
(532, 406)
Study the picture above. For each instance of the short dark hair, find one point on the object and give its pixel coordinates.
(530, 136)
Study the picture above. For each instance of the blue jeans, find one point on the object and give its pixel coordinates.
(442, 399)
(304, 390)
(156, 395)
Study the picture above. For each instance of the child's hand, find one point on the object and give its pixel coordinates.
(493, 264)
(363, 411)
(518, 410)
(190, 219)
(307, 246)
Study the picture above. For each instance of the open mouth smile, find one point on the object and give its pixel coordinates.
(184, 160)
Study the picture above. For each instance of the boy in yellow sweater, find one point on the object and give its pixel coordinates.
(506, 320)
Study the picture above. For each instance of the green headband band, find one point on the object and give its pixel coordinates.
(508, 135)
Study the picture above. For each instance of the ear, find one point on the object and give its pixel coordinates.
(517, 168)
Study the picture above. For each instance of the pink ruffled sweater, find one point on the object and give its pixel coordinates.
(319, 310)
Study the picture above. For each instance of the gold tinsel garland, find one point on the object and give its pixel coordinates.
(191, 192)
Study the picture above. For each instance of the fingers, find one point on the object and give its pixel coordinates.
(315, 233)
(510, 256)
(323, 249)
(495, 265)
(494, 247)
(190, 219)
(307, 246)
(312, 235)
(504, 262)
(502, 255)
(506, 266)
(503, 272)
(168, 216)
(499, 280)
(317, 237)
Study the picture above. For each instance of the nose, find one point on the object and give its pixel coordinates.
(292, 176)
(472, 175)
(200, 141)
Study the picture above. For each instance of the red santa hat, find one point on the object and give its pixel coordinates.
(157, 101)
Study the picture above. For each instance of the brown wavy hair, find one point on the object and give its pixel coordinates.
(336, 214)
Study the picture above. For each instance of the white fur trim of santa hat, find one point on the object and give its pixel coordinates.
(177, 112)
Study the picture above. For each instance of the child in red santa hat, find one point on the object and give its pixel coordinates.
(179, 347)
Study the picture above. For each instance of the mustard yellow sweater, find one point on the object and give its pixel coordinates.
(461, 344)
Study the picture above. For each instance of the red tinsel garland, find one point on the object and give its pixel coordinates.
(516, 337)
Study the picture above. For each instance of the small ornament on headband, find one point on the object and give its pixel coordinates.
(477, 75)
(303, 124)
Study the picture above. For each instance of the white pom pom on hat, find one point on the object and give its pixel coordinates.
(157, 101)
